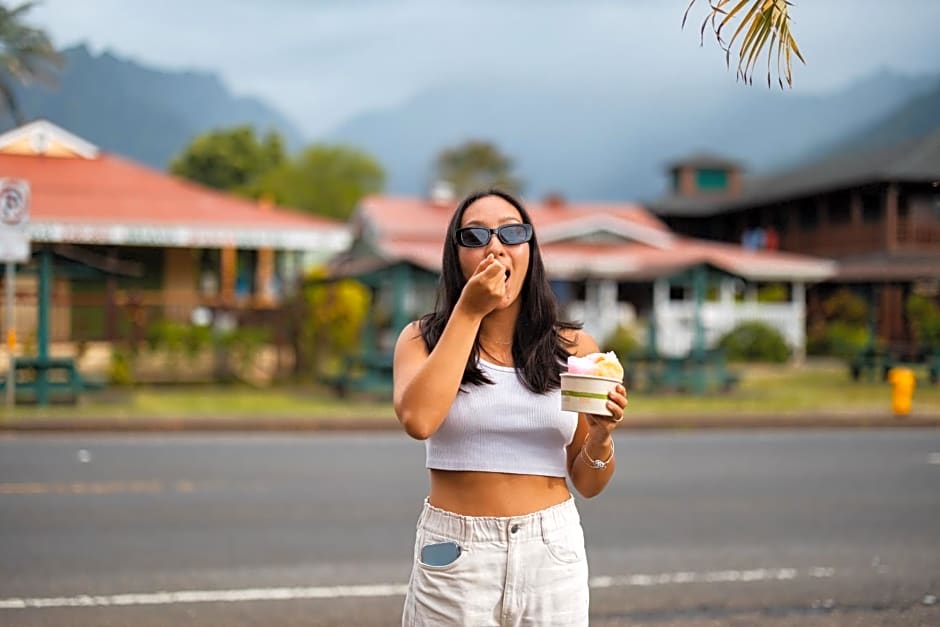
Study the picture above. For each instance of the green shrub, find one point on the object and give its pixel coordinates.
(839, 339)
(846, 306)
(178, 338)
(623, 342)
(924, 316)
(121, 370)
(844, 331)
(754, 341)
(243, 345)
(773, 293)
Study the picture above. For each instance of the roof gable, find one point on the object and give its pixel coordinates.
(604, 229)
(915, 160)
(43, 138)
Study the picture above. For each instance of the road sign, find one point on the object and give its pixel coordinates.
(14, 215)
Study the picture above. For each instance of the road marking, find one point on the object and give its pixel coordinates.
(720, 576)
(384, 590)
(933, 458)
(97, 487)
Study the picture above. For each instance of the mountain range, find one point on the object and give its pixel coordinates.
(617, 143)
(143, 113)
(610, 141)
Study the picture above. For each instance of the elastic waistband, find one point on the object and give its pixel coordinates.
(468, 529)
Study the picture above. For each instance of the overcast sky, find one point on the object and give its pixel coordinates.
(321, 61)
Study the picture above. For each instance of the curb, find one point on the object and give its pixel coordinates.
(638, 423)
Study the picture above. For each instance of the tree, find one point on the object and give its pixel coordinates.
(327, 180)
(765, 24)
(26, 56)
(335, 314)
(232, 160)
(476, 165)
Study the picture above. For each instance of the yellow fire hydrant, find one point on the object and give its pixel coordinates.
(902, 382)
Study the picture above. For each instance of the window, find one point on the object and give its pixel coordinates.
(872, 210)
(809, 216)
(780, 219)
(711, 180)
(246, 267)
(840, 212)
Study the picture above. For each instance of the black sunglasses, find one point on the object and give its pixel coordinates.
(508, 234)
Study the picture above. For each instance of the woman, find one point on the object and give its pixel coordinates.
(499, 541)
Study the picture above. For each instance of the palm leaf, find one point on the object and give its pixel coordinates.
(764, 25)
(752, 46)
(27, 56)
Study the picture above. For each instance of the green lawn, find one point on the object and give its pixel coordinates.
(817, 388)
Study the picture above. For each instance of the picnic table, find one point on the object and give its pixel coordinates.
(40, 379)
(693, 372)
(871, 363)
(369, 373)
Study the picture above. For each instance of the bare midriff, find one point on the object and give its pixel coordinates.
(472, 493)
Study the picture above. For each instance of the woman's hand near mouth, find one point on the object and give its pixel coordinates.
(486, 288)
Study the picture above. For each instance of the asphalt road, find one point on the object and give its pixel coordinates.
(805, 528)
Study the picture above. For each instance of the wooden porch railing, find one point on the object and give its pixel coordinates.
(835, 241)
(918, 234)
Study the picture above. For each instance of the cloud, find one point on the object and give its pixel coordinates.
(322, 62)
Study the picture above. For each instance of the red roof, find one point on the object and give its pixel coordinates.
(582, 240)
(103, 197)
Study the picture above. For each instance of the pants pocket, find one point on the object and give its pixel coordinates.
(430, 539)
(566, 546)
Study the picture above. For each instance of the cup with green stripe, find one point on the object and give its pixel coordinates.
(586, 393)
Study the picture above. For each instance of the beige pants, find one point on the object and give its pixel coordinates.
(519, 570)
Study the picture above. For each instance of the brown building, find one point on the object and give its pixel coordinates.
(876, 213)
(130, 247)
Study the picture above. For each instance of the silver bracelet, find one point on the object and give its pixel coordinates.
(597, 464)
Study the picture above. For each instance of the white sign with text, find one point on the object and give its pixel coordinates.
(14, 215)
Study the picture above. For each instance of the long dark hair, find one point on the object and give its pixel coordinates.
(538, 348)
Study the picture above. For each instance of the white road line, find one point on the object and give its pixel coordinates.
(720, 576)
(383, 590)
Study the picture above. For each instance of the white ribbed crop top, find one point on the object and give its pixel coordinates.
(503, 427)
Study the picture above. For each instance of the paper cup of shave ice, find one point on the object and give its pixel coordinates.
(586, 393)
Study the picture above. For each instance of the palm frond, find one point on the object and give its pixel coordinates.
(26, 56)
(765, 25)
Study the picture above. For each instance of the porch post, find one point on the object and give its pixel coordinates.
(799, 312)
(660, 302)
(891, 217)
(227, 272)
(401, 287)
(111, 308)
(42, 327)
(698, 346)
(726, 298)
(264, 272)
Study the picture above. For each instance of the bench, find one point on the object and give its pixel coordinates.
(42, 379)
